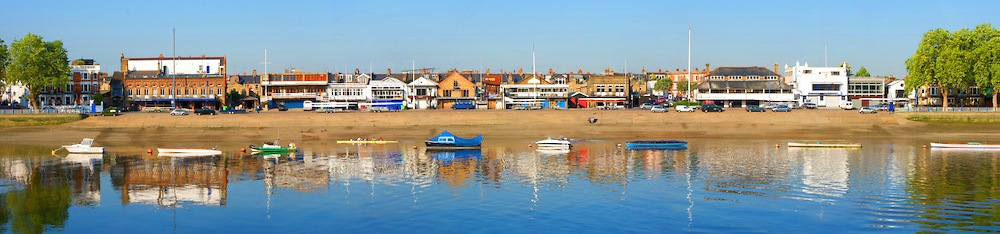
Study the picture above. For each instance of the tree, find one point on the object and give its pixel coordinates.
(663, 84)
(862, 72)
(4, 59)
(987, 60)
(682, 86)
(923, 65)
(37, 64)
(98, 98)
(954, 65)
(234, 98)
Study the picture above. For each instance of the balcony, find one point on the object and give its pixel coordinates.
(294, 95)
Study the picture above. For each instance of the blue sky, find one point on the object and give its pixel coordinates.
(333, 36)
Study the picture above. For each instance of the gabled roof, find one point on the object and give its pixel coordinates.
(744, 84)
(743, 71)
(456, 76)
(248, 79)
(532, 79)
(421, 81)
(387, 81)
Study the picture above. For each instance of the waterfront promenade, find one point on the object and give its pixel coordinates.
(301, 126)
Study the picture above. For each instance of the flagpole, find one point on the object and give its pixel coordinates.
(688, 96)
(173, 73)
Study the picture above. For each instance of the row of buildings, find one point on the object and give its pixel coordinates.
(202, 81)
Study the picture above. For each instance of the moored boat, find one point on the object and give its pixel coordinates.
(820, 144)
(557, 143)
(186, 152)
(656, 144)
(446, 140)
(273, 147)
(85, 147)
(966, 145)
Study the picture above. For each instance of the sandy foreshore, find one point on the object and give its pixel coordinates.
(301, 126)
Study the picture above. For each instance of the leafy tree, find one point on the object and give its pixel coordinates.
(663, 84)
(4, 59)
(38, 64)
(682, 86)
(234, 98)
(98, 99)
(924, 63)
(987, 60)
(862, 72)
(954, 64)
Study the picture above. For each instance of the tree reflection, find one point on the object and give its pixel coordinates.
(947, 183)
(43, 203)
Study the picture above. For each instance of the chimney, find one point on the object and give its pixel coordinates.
(255, 72)
(357, 71)
(161, 55)
(520, 71)
(579, 71)
(643, 69)
(388, 71)
(708, 67)
(550, 71)
(487, 71)
(423, 71)
(776, 68)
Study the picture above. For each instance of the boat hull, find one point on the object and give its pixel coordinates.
(671, 144)
(188, 151)
(85, 150)
(272, 149)
(963, 146)
(824, 145)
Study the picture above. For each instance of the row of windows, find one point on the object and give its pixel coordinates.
(84, 88)
(933, 90)
(348, 92)
(154, 85)
(167, 92)
(447, 93)
(826, 87)
(609, 88)
(743, 78)
(547, 90)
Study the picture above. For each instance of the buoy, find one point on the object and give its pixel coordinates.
(414, 147)
(149, 151)
(244, 150)
(777, 146)
(925, 146)
(529, 146)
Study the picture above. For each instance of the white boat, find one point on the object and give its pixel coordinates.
(966, 145)
(554, 143)
(819, 144)
(187, 152)
(85, 147)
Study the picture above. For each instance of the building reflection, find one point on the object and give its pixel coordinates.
(957, 189)
(751, 169)
(37, 191)
(166, 181)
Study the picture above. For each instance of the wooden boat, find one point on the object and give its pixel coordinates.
(656, 144)
(820, 144)
(186, 152)
(554, 143)
(446, 140)
(966, 145)
(366, 142)
(84, 147)
(273, 147)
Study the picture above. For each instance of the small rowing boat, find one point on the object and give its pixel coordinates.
(273, 147)
(186, 152)
(366, 142)
(820, 144)
(656, 144)
(966, 145)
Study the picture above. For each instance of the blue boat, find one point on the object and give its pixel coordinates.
(446, 140)
(656, 144)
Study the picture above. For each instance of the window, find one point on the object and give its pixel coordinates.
(933, 90)
(826, 87)
(421, 92)
(836, 73)
(454, 84)
(973, 90)
(465, 93)
(447, 93)
(807, 71)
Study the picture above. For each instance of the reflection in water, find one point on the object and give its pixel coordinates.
(885, 186)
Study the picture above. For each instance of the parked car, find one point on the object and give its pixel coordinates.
(111, 111)
(658, 109)
(282, 108)
(683, 108)
(847, 105)
(178, 112)
(233, 111)
(646, 106)
(781, 108)
(810, 105)
(712, 108)
(756, 109)
(204, 111)
(867, 110)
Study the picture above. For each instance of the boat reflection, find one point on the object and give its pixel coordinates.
(447, 157)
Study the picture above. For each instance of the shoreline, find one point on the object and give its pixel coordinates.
(302, 126)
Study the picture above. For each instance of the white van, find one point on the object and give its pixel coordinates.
(847, 105)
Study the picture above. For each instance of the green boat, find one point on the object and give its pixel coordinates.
(273, 147)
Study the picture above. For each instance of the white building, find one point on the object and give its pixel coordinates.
(535, 93)
(387, 92)
(84, 83)
(14, 93)
(423, 93)
(824, 86)
(349, 88)
(743, 86)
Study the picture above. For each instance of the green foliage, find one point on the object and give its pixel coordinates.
(957, 59)
(923, 64)
(663, 84)
(862, 72)
(40, 206)
(686, 103)
(986, 54)
(234, 98)
(682, 86)
(38, 64)
(98, 99)
(4, 59)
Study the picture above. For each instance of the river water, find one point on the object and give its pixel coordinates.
(507, 187)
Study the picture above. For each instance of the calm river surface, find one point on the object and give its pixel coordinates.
(507, 187)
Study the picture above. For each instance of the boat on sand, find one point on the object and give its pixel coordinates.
(84, 147)
(446, 140)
